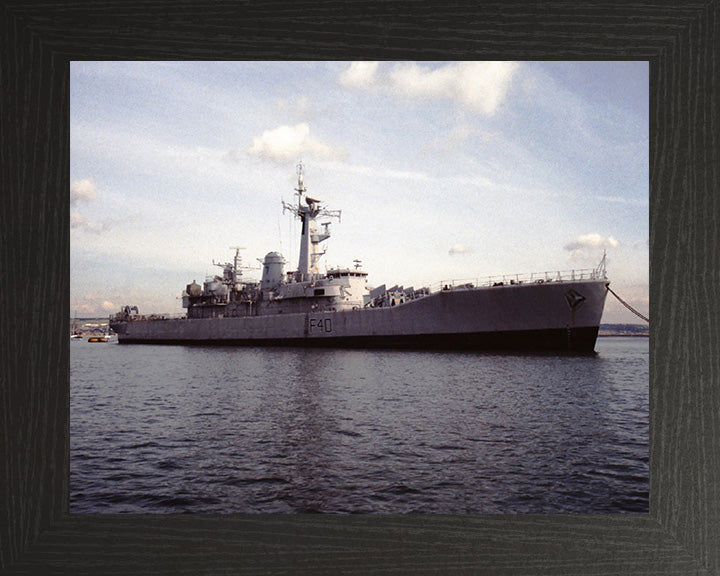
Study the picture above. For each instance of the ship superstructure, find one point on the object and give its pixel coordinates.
(302, 290)
(305, 307)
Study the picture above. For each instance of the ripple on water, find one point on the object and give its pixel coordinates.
(179, 429)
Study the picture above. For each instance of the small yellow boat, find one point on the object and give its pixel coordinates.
(97, 339)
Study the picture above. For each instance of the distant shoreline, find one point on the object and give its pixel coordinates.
(633, 330)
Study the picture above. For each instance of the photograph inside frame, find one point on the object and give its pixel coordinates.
(359, 287)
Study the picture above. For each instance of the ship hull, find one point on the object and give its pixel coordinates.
(561, 339)
(554, 316)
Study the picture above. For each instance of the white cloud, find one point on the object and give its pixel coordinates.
(359, 75)
(82, 190)
(287, 143)
(77, 220)
(84, 308)
(93, 306)
(479, 86)
(460, 249)
(592, 241)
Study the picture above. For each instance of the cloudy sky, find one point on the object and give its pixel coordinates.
(442, 170)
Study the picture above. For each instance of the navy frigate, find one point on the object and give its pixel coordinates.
(304, 307)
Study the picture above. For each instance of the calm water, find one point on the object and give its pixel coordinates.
(194, 429)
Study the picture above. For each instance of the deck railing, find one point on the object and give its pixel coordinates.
(516, 279)
(458, 284)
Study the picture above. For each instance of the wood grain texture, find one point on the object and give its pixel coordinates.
(681, 535)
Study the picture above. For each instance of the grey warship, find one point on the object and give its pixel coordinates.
(556, 311)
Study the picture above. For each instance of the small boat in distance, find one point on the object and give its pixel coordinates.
(103, 338)
(76, 333)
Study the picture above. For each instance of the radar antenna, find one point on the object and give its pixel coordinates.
(232, 273)
(310, 238)
(300, 187)
(237, 261)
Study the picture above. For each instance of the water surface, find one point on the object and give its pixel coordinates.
(258, 430)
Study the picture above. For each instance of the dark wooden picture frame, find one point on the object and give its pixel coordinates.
(680, 535)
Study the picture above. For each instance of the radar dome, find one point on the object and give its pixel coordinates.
(273, 270)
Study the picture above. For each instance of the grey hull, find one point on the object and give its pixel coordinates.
(580, 340)
(562, 315)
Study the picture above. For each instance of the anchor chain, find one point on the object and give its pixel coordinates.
(627, 305)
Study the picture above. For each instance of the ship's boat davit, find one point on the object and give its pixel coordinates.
(302, 307)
